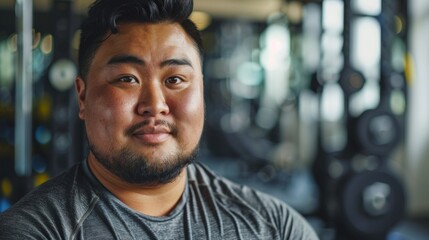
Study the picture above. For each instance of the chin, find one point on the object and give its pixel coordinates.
(156, 166)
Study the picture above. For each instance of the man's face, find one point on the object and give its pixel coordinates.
(142, 102)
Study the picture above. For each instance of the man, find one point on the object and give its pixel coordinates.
(140, 93)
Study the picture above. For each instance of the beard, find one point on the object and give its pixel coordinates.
(136, 169)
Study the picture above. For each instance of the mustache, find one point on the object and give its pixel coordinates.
(170, 126)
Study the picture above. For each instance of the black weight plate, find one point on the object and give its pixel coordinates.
(377, 132)
(353, 215)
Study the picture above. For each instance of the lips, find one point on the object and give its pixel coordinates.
(152, 134)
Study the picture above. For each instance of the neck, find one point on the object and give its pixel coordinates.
(154, 200)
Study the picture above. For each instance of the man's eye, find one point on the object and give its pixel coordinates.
(173, 80)
(127, 79)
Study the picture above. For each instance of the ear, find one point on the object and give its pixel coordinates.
(81, 94)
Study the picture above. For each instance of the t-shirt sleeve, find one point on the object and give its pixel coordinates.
(49, 212)
(12, 228)
(289, 223)
(293, 226)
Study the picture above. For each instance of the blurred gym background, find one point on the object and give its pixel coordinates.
(321, 103)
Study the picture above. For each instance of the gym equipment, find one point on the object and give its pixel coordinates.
(360, 197)
(376, 132)
(370, 203)
(351, 81)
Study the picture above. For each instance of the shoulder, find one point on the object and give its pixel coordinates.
(252, 204)
(51, 210)
(225, 189)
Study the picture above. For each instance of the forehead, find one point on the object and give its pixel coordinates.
(148, 41)
(172, 33)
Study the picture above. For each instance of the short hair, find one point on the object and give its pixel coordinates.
(105, 15)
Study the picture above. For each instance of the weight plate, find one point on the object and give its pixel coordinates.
(371, 203)
(62, 74)
(377, 132)
(351, 81)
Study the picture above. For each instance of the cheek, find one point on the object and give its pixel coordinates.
(107, 114)
(189, 113)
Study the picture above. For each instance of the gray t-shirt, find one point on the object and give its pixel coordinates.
(75, 205)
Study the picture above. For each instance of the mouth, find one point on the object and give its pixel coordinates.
(150, 132)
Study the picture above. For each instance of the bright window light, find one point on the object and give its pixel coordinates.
(332, 102)
(366, 44)
(333, 15)
(368, 7)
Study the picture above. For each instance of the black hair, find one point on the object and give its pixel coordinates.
(105, 15)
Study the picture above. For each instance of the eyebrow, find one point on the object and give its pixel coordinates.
(176, 62)
(121, 59)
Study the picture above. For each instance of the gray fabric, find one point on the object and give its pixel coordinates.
(75, 205)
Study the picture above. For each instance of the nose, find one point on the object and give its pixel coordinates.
(152, 101)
